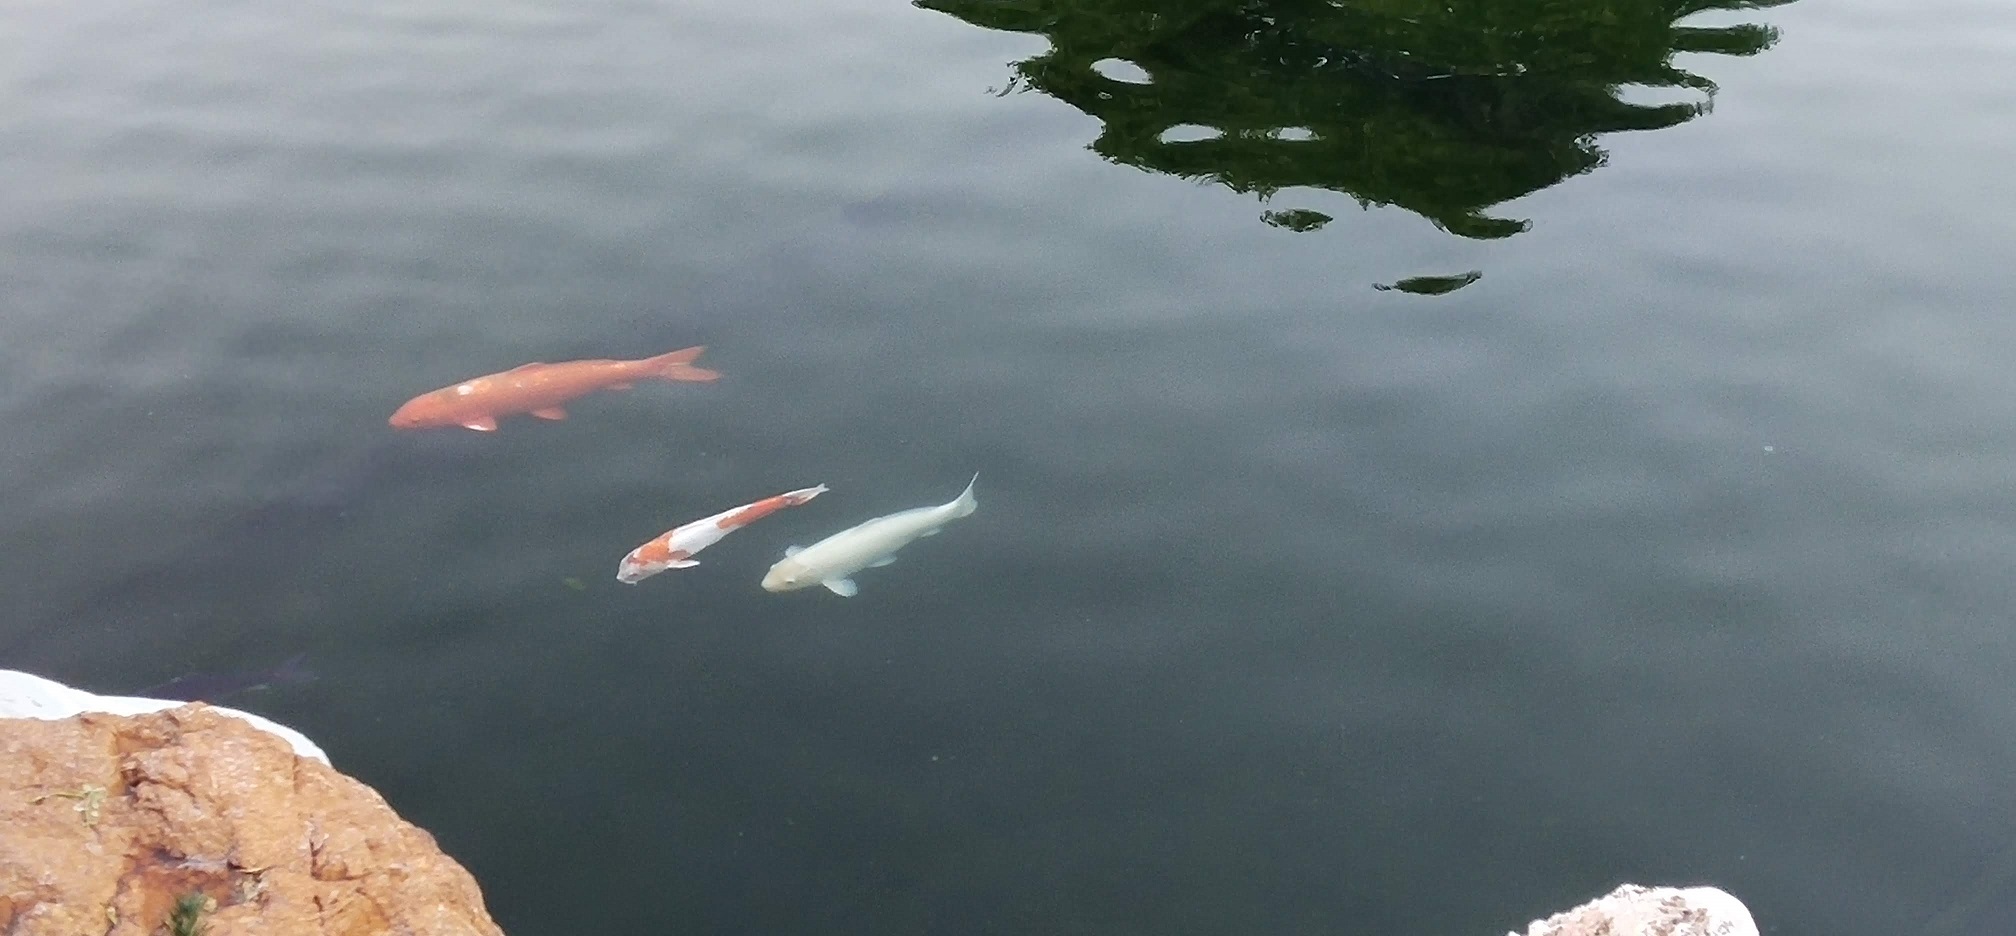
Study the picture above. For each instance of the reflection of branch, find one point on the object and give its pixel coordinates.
(1690, 7)
(1747, 39)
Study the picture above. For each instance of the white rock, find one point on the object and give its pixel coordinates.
(1632, 910)
(25, 695)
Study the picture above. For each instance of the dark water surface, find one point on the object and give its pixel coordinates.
(1679, 546)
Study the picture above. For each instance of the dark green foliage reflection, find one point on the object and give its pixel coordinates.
(1432, 285)
(1442, 107)
(1296, 219)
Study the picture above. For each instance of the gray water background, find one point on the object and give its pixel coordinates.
(1678, 548)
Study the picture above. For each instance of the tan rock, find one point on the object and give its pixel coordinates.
(105, 820)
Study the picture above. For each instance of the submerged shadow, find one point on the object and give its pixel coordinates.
(1444, 108)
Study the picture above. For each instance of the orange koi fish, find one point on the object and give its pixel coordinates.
(675, 549)
(539, 389)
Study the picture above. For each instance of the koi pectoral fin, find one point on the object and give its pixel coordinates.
(484, 424)
(879, 563)
(550, 412)
(682, 563)
(843, 587)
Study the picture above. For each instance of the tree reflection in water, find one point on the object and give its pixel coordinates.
(1442, 107)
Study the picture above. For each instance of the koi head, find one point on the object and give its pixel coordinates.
(427, 409)
(630, 571)
(650, 559)
(448, 406)
(788, 575)
(637, 567)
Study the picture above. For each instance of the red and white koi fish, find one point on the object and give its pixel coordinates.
(675, 549)
(540, 389)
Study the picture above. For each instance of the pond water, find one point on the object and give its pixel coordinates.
(1437, 460)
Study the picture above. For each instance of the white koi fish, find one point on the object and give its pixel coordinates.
(675, 548)
(832, 561)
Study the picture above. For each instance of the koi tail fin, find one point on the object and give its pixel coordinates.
(678, 365)
(965, 502)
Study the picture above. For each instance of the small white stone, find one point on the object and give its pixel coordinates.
(1632, 910)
